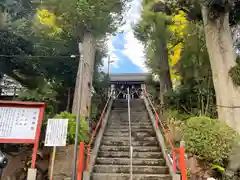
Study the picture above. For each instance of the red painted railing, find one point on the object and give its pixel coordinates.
(182, 163)
(170, 143)
(80, 161)
(99, 124)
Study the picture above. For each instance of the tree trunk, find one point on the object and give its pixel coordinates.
(222, 58)
(68, 99)
(77, 87)
(89, 51)
(164, 75)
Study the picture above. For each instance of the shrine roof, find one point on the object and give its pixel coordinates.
(140, 77)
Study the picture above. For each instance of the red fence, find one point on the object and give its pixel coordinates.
(82, 148)
(99, 124)
(170, 143)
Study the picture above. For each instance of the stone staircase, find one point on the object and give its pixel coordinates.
(113, 158)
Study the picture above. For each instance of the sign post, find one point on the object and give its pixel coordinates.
(52, 162)
(56, 135)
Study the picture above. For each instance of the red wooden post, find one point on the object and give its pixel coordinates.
(36, 142)
(182, 163)
(80, 161)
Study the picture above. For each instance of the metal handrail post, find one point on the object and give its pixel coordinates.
(130, 134)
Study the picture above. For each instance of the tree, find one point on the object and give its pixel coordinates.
(217, 20)
(222, 56)
(195, 95)
(16, 48)
(162, 35)
(92, 21)
(152, 31)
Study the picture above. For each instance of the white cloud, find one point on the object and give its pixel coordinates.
(113, 57)
(133, 49)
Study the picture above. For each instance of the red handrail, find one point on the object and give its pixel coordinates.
(99, 124)
(170, 142)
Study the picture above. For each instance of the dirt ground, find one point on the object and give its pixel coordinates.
(17, 162)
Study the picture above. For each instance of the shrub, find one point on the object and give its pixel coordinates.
(83, 128)
(235, 74)
(173, 121)
(208, 138)
(176, 115)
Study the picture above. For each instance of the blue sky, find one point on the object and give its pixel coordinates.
(124, 49)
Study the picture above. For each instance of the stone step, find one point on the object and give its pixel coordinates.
(132, 110)
(133, 130)
(121, 119)
(123, 154)
(124, 118)
(134, 134)
(126, 169)
(123, 126)
(116, 123)
(126, 123)
(137, 115)
(125, 161)
(135, 148)
(132, 127)
(116, 176)
(126, 143)
(124, 112)
(134, 138)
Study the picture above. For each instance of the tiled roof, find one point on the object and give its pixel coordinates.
(129, 77)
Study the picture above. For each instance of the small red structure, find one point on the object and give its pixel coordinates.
(20, 122)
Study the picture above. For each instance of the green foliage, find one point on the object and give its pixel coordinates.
(45, 94)
(98, 17)
(83, 127)
(20, 68)
(217, 8)
(25, 37)
(209, 139)
(174, 123)
(196, 93)
(217, 167)
(235, 73)
(152, 30)
(177, 116)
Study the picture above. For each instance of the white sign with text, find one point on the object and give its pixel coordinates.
(18, 123)
(56, 134)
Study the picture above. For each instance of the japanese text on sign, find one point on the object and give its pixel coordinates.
(18, 123)
(56, 134)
